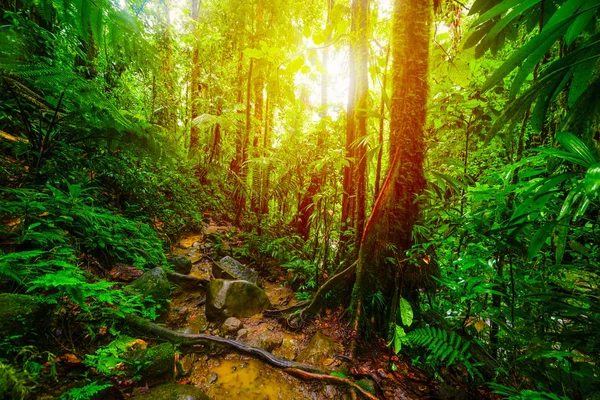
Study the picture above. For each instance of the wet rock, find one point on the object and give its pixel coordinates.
(289, 348)
(212, 378)
(269, 341)
(154, 361)
(231, 325)
(198, 324)
(19, 314)
(320, 351)
(186, 364)
(153, 283)
(234, 299)
(230, 268)
(180, 264)
(173, 391)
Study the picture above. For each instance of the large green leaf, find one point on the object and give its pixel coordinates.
(406, 312)
(539, 239)
(591, 181)
(581, 22)
(576, 146)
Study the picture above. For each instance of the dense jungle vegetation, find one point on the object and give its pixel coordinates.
(428, 168)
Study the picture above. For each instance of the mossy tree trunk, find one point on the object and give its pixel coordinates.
(388, 233)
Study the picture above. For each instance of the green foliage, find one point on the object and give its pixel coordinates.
(85, 392)
(108, 359)
(513, 394)
(443, 346)
(13, 381)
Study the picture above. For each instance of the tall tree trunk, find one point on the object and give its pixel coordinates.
(348, 185)
(389, 230)
(244, 148)
(381, 122)
(360, 10)
(259, 100)
(195, 79)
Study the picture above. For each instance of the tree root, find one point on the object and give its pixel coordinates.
(330, 378)
(317, 301)
(304, 371)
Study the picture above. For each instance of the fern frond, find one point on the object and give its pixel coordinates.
(442, 346)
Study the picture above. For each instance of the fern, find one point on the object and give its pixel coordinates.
(85, 392)
(14, 383)
(442, 346)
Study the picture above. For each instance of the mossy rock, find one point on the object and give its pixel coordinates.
(182, 265)
(320, 350)
(154, 284)
(238, 299)
(20, 314)
(154, 361)
(173, 391)
(230, 268)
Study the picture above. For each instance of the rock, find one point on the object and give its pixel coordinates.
(186, 364)
(173, 391)
(230, 268)
(231, 325)
(180, 264)
(19, 314)
(242, 333)
(154, 361)
(269, 341)
(153, 283)
(212, 378)
(239, 299)
(319, 350)
(198, 324)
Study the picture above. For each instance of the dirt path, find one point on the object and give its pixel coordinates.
(224, 376)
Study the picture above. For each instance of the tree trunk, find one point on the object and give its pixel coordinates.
(381, 122)
(389, 230)
(348, 185)
(195, 84)
(360, 11)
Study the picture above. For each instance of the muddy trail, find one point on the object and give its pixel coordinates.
(323, 341)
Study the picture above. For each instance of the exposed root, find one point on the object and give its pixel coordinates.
(317, 302)
(304, 371)
(330, 378)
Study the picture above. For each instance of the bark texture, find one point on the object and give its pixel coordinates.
(388, 232)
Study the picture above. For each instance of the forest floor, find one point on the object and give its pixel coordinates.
(230, 375)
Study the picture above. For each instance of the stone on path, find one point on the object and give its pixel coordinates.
(230, 268)
(180, 264)
(238, 299)
(320, 351)
(153, 283)
(231, 325)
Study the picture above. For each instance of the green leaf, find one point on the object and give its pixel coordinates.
(561, 232)
(580, 23)
(254, 53)
(576, 146)
(581, 79)
(406, 312)
(539, 239)
(497, 10)
(591, 182)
